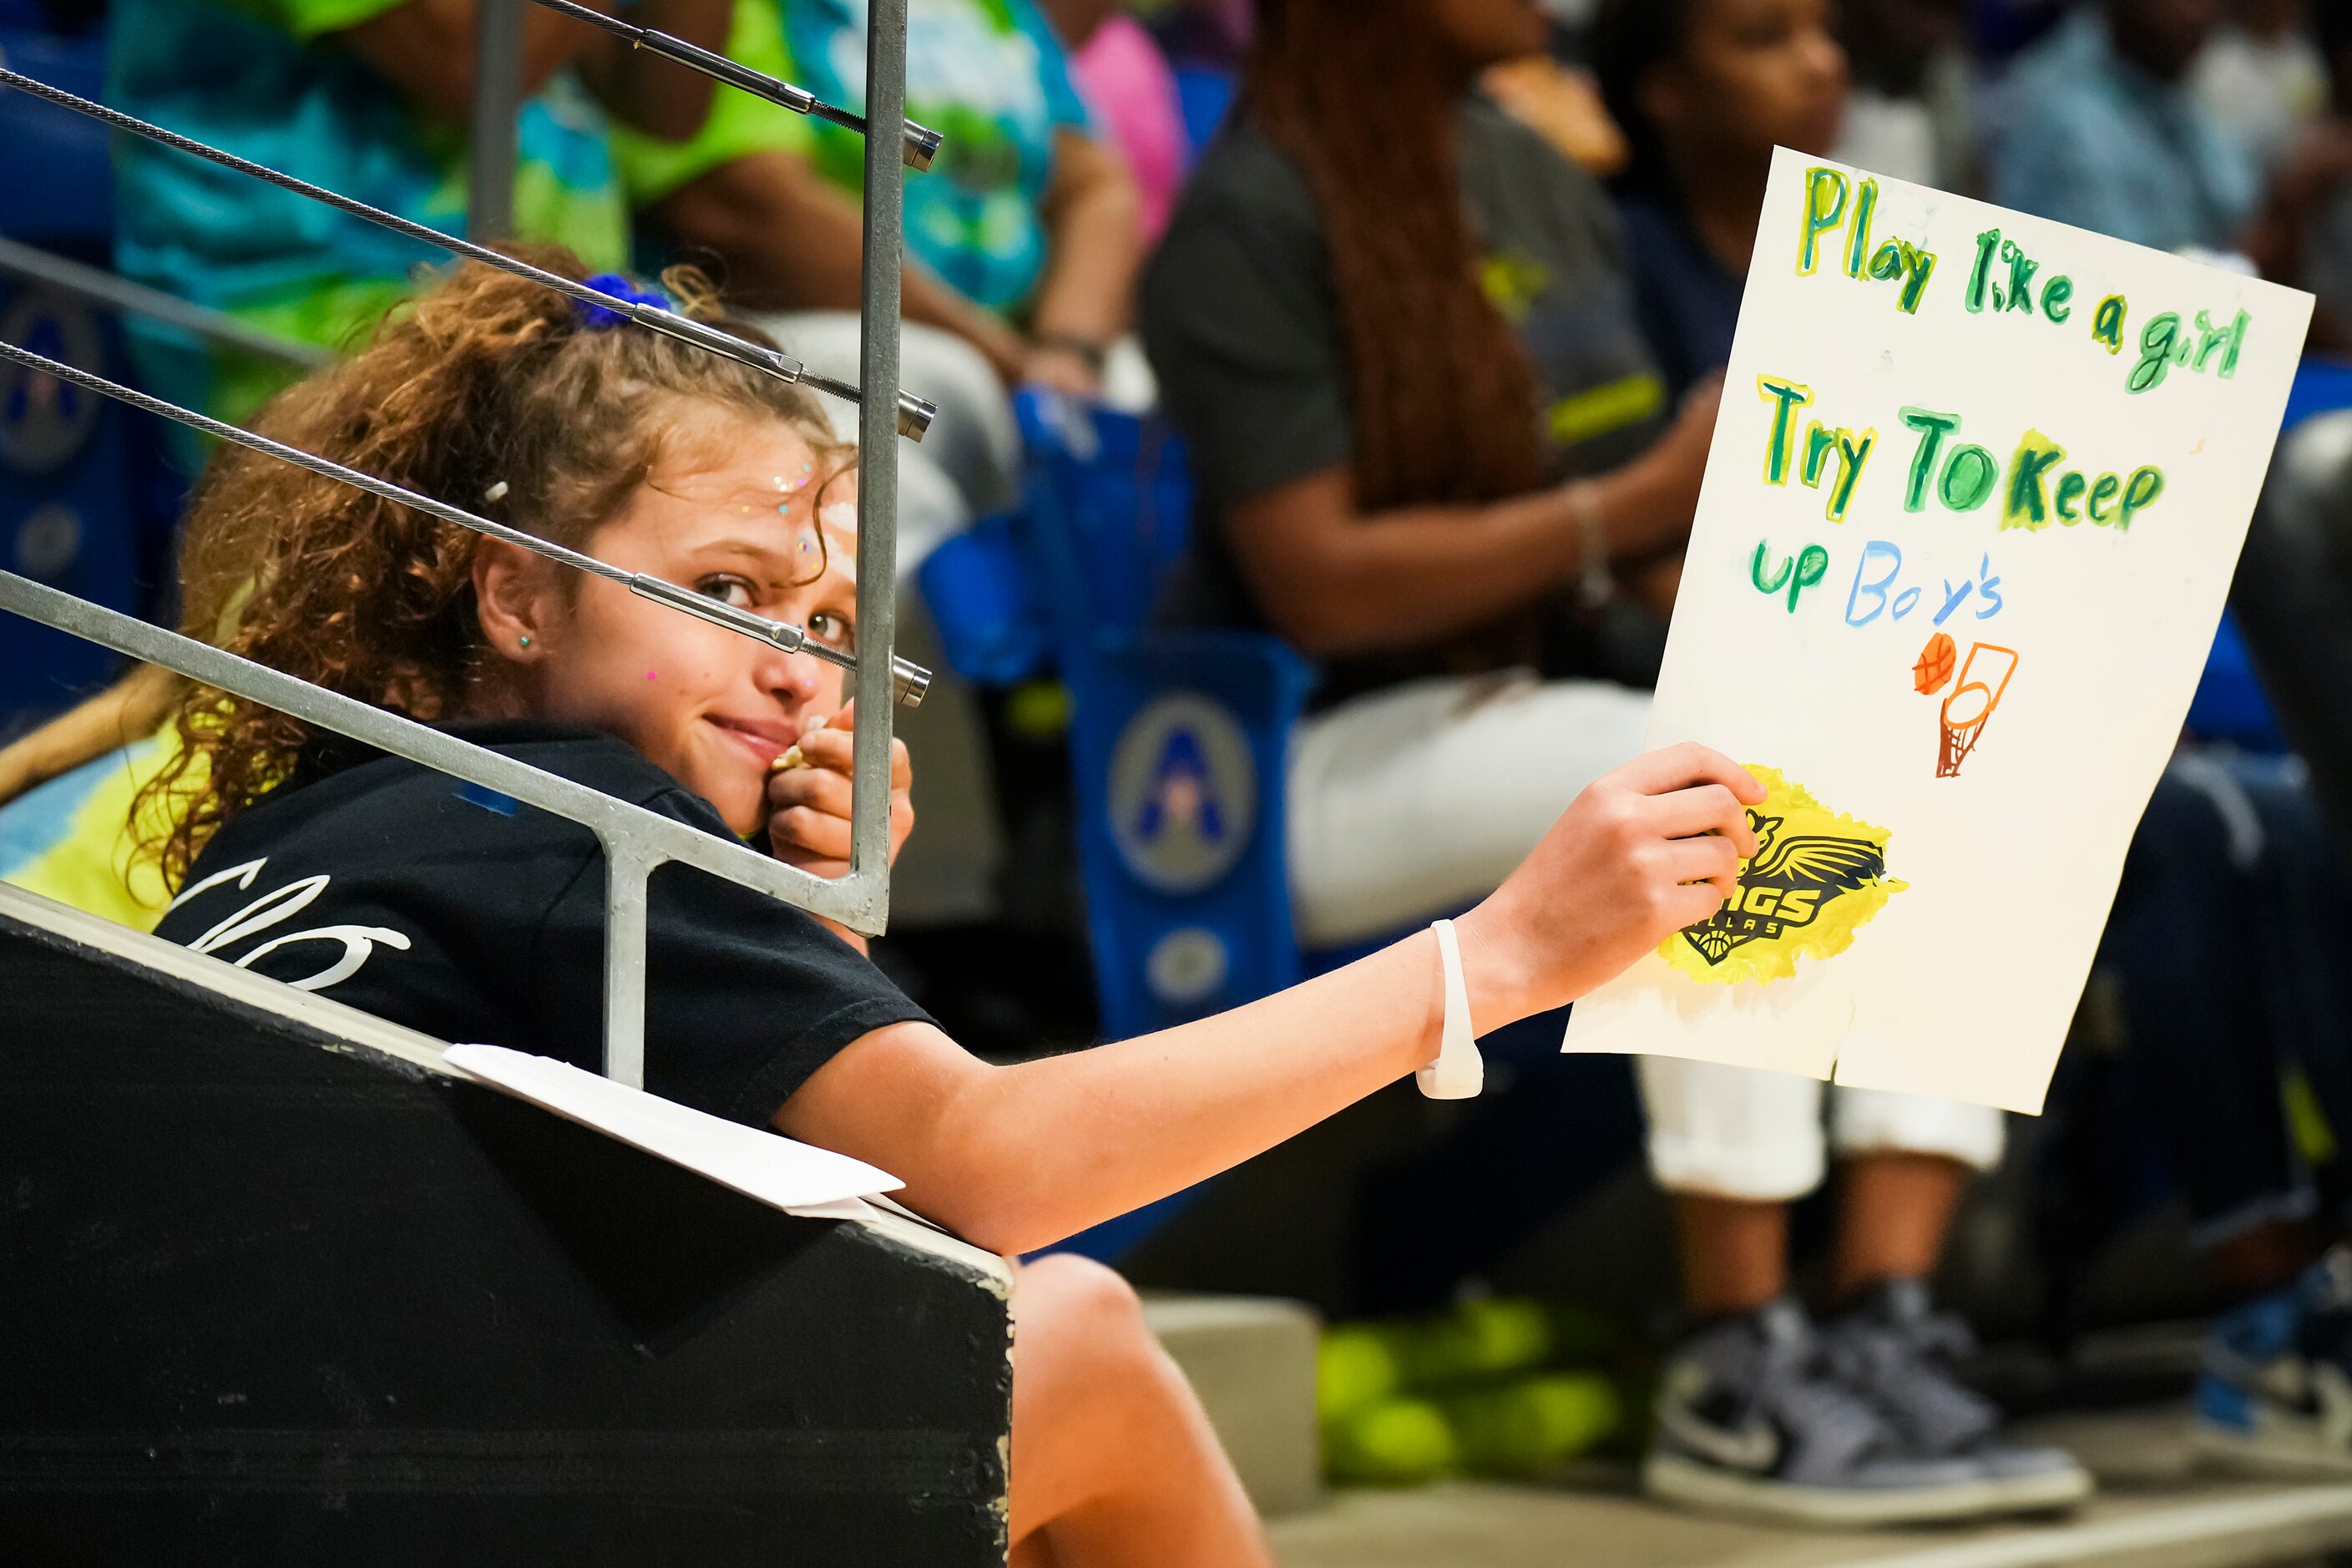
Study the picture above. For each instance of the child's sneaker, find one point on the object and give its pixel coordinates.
(1896, 1351)
(1750, 1419)
(2275, 1395)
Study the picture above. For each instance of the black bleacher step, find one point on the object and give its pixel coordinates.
(273, 1292)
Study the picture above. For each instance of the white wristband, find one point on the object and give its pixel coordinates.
(1459, 1071)
(1594, 582)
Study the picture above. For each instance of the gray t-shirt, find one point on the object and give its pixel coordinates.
(1243, 324)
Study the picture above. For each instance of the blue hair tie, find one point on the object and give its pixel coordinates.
(596, 318)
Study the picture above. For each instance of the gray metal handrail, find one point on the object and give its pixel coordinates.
(922, 144)
(634, 841)
(914, 414)
(909, 681)
(124, 297)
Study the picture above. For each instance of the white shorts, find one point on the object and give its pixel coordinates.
(1415, 802)
(1737, 1132)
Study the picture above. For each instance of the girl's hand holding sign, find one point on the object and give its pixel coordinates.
(1643, 852)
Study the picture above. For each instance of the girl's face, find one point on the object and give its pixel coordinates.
(1752, 75)
(745, 513)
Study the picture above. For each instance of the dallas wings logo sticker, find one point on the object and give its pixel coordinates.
(1817, 876)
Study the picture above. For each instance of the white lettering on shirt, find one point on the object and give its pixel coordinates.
(272, 908)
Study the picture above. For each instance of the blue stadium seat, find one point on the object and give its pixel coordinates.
(1180, 737)
(70, 511)
(66, 517)
(60, 193)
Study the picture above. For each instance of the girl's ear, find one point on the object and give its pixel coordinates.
(518, 600)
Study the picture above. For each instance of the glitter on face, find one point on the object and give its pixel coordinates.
(812, 549)
(840, 519)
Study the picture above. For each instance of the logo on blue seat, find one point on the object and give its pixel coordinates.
(1184, 793)
(1186, 967)
(45, 422)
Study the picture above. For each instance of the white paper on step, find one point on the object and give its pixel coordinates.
(792, 1177)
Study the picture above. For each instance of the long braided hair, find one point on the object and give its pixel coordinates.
(1445, 399)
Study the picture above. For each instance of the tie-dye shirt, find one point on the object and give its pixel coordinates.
(2104, 145)
(988, 75)
(263, 80)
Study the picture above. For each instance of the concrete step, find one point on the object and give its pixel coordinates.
(1251, 1361)
(2155, 1509)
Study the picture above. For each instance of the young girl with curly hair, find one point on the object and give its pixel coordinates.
(483, 923)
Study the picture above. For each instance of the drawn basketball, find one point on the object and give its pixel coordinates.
(1935, 666)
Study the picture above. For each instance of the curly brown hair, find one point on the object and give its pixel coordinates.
(488, 390)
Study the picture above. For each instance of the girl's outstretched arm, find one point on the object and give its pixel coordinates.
(1014, 1158)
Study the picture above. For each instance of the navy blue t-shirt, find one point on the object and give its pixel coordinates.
(1686, 299)
(475, 919)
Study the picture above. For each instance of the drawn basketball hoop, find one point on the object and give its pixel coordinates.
(1960, 734)
(1970, 704)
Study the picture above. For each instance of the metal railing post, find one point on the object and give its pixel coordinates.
(877, 452)
(627, 867)
(490, 127)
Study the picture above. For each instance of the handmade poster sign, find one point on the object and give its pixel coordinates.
(1974, 498)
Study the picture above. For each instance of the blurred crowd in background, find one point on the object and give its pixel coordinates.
(1436, 295)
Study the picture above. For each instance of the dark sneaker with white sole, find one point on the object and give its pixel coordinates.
(1752, 1420)
(1897, 1352)
(2276, 1394)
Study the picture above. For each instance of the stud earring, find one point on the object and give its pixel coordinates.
(526, 641)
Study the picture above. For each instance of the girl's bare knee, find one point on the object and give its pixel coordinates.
(1079, 1325)
(1076, 1292)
